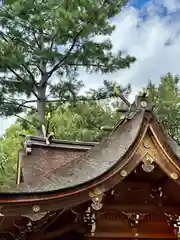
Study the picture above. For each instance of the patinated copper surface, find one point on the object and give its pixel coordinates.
(100, 159)
(44, 160)
(62, 176)
(59, 175)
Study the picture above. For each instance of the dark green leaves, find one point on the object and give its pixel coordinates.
(40, 39)
(166, 97)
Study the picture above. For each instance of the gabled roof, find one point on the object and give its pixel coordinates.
(103, 166)
(100, 159)
(55, 143)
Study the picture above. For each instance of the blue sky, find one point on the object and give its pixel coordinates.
(138, 3)
(148, 30)
(143, 29)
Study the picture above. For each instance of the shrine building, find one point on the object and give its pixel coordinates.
(125, 187)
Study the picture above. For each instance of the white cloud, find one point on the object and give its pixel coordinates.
(153, 39)
(145, 34)
(172, 5)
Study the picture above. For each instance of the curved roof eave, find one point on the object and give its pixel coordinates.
(84, 172)
(73, 181)
(165, 141)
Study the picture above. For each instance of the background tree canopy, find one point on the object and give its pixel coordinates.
(83, 120)
(166, 97)
(43, 46)
(41, 40)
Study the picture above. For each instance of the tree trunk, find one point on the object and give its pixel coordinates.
(41, 105)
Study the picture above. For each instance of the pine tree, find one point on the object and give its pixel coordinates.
(43, 39)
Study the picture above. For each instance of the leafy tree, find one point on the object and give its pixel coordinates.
(41, 40)
(9, 145)
(166, 97)
(82, 121)
(110, 95)
(112, 91)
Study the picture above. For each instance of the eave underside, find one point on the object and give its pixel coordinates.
(136, 194)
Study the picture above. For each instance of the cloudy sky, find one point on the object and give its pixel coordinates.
(148, 30)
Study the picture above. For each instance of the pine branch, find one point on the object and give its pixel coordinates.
(24, 120)
(78, 98)
(56, 67)
(3, 35)
(25, 67)
(18, 104)
(36, 40)
(40, 70)
(30, 74)
(20, 78)
(75, 39)
(52, 42)
(85, 65)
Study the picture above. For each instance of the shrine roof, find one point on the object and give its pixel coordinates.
(173, 144)
(67, 171)
(36, 141)
(100, 159)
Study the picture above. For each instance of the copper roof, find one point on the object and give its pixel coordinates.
(56, 176)
(99, 160)
(55, 143)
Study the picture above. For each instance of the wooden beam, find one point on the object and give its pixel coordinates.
(50, 222)
(146, 208)
(110, 235)
(130, 238)
(56, 233)
(6, 236)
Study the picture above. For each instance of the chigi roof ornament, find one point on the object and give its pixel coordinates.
(143, 101)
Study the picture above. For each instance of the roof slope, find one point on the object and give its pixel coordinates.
(101, 165)
(98, 161)
(173, 144)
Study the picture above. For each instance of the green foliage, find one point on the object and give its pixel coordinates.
(70, 90)
(166, 97)
(40, 39)
(110, 89)
(81, 121)
(9, 145)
